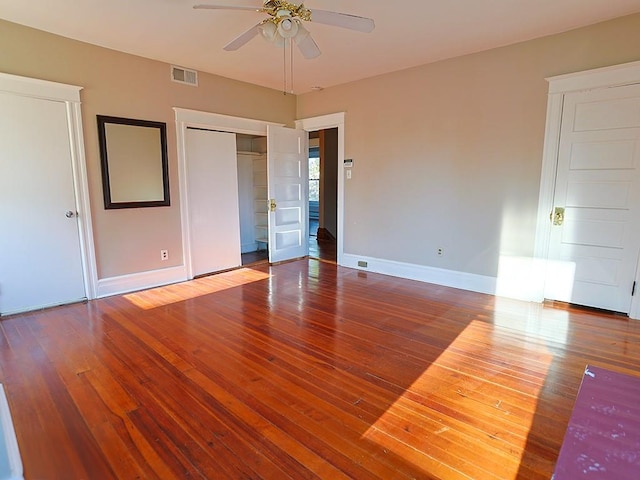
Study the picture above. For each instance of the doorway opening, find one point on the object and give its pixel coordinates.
(253, 198)
(323, 194)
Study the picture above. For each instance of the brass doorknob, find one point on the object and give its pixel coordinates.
(558, 216)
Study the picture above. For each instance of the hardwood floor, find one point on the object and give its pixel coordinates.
(302, 370)
(325, 251)
(321, 250)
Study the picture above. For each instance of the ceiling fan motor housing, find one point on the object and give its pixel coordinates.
(279, 8)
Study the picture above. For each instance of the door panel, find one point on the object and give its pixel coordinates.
(605, 112)
(287, 159)
(594, 251)
(40, 256)
(212, 192)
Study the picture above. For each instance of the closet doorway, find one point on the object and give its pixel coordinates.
(253, 196)
(228, 200)
(286, 186)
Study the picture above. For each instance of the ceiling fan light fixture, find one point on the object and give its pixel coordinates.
(268, 30)
(287, 27)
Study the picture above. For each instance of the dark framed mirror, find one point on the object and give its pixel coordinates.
(133, 154)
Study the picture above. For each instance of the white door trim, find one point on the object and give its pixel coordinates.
(559, 86)
(70, 96)
(334, 120)
(186, 118)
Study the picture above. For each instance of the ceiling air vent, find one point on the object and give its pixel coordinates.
(183, 75)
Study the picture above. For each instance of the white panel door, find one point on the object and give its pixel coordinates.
(40, 256)
(594, 247)
(288, 179)
(212, 193)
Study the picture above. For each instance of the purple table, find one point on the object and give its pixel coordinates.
(603, 437)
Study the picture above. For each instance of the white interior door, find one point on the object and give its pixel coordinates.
(212, 186)
(595, 242)
(287, 164)
(40, 256)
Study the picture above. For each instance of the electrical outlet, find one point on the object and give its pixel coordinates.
(440, 251)
(164, 255)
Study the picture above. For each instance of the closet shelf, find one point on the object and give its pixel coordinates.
(252, 154)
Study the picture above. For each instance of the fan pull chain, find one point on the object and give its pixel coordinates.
(291, 62)
(284, 68)
(287, 74)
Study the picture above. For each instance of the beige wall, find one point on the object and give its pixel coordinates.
(449, 154)
(445, 155)
(122, 85)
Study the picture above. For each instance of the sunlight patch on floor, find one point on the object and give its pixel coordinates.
(463, 413)
(179, 292)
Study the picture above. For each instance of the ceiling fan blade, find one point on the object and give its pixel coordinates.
(242, 39)
(307, 46)
(226, 7)
(344, 20)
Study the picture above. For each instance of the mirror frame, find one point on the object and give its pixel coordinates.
(163, 162)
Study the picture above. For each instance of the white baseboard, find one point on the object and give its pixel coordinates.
(520, 278)
(438, 276)
(140, 281)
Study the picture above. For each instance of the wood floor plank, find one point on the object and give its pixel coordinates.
(303, 370)
(198, 411)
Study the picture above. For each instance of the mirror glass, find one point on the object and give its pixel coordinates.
(134, 162)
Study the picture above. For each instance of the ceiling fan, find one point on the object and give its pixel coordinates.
(285, 23)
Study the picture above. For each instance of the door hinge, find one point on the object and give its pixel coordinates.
(633, 289)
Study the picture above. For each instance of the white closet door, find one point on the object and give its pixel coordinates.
(40, 256)
(212, 193)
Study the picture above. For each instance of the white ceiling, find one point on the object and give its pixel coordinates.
(407, 33)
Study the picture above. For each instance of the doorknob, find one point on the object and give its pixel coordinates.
(71, 214)
(558, 216)
(272, 204)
